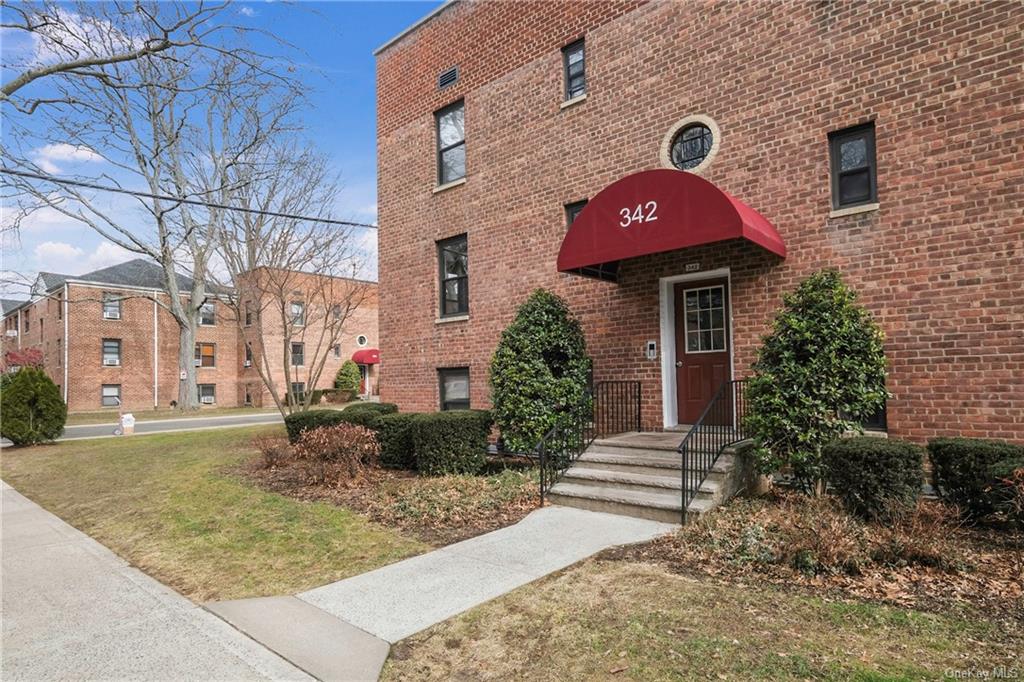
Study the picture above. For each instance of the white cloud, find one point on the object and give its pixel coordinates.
(107, 254)
(47, 157)
(246, 11)
(58, 256)
(69, 259)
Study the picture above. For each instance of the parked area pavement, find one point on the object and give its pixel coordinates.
(165, 425)
(368, 612)
(72, 609)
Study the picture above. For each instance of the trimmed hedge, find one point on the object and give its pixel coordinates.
(379, 408)
(397, 449)
(452, 442)
(876, 478)
(310, 419)
(962, 471)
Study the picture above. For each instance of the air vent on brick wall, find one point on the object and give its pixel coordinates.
(447, 78)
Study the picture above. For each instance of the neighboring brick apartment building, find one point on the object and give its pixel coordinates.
(727, 150)
(106, 343)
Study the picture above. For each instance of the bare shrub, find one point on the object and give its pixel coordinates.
(275, 450)
(816, 535)
(923, 537)
(339, 455)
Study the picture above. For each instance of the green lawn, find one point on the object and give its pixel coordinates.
(110, 416)
(171, 505)
(619, 620)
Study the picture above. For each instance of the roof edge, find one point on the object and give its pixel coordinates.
(415, 26)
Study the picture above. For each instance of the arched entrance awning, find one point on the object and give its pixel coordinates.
(366, 356)
(656, 211)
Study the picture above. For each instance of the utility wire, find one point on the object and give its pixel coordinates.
(180, 200)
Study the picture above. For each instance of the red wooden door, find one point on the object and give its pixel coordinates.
(702, 344)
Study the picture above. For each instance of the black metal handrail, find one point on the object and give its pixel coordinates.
(563, 444)
(613, 407)
(617, 407)
(719, 426)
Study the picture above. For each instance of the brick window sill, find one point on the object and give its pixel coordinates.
(572, 102)
(449, 185)
(852, 210)
(453, 318)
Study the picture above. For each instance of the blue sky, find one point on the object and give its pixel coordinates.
(335, 59)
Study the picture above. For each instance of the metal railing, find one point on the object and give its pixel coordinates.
(719, 426)
(563, 444)
(613, 407)
(617, 406)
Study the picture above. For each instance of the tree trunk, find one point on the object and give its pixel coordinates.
(188, 394)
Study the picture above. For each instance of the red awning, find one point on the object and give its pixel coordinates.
(366, 356)
(656, 211)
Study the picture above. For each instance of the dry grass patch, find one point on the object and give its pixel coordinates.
(171, 505)
(926, 560)
(436, 509)
(607, 620)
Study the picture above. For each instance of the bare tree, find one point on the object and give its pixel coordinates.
(292, 281)
(155, 121)
(78, 39)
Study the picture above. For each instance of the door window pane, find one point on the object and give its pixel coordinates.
(705, 320)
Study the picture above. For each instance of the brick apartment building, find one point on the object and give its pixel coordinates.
(107, 343)
(673, 168)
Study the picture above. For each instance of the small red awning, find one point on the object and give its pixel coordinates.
(366, 356)
(656, 211)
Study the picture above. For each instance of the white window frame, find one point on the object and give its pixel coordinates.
(686, 329)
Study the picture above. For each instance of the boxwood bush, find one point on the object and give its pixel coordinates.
(962, 471)
(379, 408)
(31, 407)
(310, 419)
(453, 442)
(876, 478)
(397, 449)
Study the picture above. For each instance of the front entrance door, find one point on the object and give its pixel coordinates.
(702, 344)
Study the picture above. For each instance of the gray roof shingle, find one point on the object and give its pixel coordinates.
(9, 304)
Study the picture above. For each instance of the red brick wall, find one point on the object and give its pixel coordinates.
(86, 373)
(940, 264)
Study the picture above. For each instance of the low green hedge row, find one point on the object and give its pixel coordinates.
(397, 450)
(452, 442)
(379, 408)
(966, 471)
(435, 443)
(877, 478)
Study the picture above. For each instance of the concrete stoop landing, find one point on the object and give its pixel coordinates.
(641, 475)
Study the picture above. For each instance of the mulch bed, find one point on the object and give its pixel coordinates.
(437, 510)
(942, 566)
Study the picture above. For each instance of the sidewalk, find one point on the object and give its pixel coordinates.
(367, 612)
(72, 609)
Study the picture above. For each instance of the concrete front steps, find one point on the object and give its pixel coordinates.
(640, 475)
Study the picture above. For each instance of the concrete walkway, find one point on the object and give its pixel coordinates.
(371, 610)
(73, 610)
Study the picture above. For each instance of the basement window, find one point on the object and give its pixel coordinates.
(454, 388)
